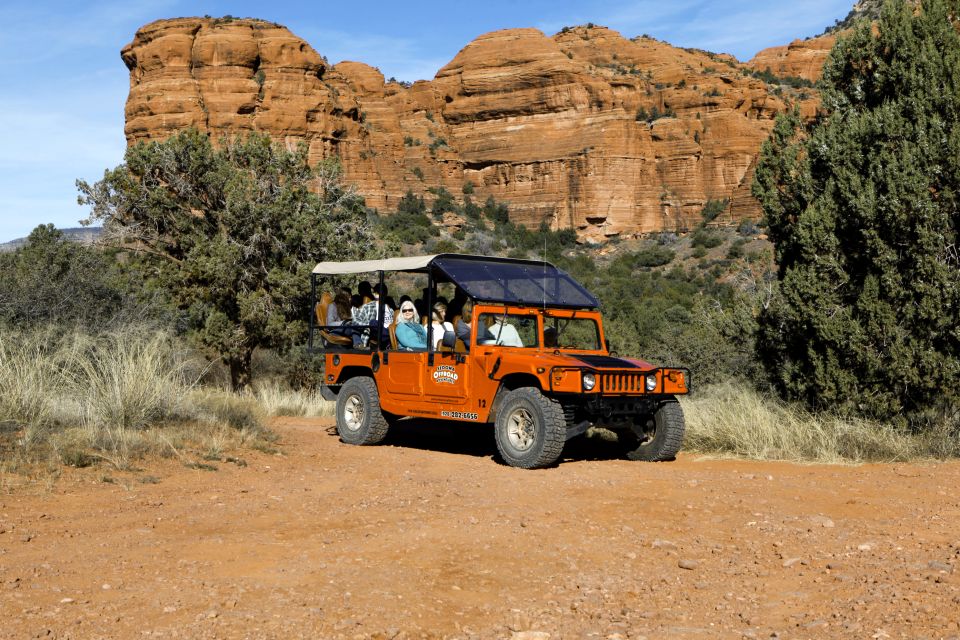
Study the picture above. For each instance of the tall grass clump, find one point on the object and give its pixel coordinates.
(277, 399)
(129, 379)
(30, 381)
(77, 399)
(120, 383)
(734, 420)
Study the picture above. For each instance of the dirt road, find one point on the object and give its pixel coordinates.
(428, 537)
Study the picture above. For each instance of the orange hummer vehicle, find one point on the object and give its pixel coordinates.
(526, 352)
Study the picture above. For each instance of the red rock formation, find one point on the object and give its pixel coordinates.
(800, 58)
(563, 128)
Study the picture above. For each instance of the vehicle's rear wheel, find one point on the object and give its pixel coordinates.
(530, 429)
(659, 437)
(359, 418)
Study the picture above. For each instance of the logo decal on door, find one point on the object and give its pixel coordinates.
(445, 374)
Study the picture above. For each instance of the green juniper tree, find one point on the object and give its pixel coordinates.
(53, 280)
(862, 206)
(232, 233)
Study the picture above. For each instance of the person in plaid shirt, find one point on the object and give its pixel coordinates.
(366, 315)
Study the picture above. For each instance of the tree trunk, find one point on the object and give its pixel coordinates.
(240, 371)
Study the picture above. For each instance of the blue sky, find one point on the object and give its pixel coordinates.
(62, 102)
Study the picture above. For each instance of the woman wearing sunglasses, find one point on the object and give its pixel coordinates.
(410, 333)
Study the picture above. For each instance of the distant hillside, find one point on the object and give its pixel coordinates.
(864, 9)
(83, 235)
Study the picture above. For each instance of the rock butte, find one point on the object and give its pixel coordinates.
(548, 124)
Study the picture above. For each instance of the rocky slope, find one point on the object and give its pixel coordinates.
(585, 128)
(799, 59)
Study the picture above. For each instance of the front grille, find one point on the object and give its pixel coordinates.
(621, 382)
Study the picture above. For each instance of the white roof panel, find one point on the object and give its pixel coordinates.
(408, 263)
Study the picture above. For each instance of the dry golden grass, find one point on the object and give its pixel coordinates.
(113, 399)
(276, 399)
(731, 420)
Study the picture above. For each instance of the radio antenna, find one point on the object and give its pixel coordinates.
(544, 286)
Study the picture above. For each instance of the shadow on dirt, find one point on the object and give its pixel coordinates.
(477, 440)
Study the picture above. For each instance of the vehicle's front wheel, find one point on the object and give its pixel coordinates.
(530, 429)
(359, 418)
(659, 437)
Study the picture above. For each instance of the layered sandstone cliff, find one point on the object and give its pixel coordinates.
(799, 59)
(585, 129)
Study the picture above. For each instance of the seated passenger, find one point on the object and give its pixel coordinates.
(462, 326)
(455, 308)
(339, 310)
(410, 333)
(503, 333)
(439, 326)
(363, 312)
(550, 338)
(380, 291)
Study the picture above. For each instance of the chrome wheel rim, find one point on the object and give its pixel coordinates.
(353, 412)
(521, 429)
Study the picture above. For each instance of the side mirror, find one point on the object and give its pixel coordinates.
(606, 343)
(449, 339)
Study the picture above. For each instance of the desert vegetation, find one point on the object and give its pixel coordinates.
(146, 344)
(827, 332)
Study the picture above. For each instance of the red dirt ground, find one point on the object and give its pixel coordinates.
(429, 537)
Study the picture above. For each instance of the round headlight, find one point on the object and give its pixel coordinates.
(589, 381)
(651, 382)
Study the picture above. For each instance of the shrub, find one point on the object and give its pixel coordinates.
(443, 202)
(410, 224)
(747, 228)
(706, 238)
(496, 211)
(54, 280)
(655, 256)
(30, 379)
(862, 206)
(713, 208)
(735, 252)
(471, 210)
(443, 246)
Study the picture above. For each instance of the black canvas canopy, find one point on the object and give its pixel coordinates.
(523, 282)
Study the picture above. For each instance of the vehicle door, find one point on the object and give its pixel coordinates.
(404, 372)
(447, 380)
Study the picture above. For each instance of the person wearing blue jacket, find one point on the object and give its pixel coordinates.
(410, 333)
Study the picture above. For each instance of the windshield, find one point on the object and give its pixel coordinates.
(571, 333)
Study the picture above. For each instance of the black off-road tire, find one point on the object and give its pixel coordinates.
(359, 417)
(666, 439)
(530, 429)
